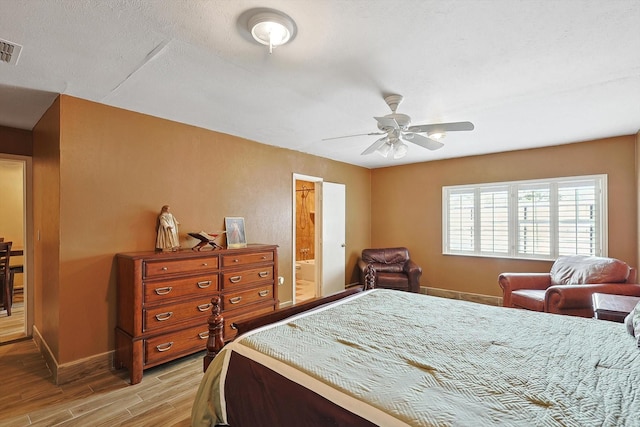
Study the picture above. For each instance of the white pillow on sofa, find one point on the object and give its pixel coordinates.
(579, 269)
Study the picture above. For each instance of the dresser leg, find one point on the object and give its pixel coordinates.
(129, 355)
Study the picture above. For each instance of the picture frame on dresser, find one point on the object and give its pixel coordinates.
(236, 236)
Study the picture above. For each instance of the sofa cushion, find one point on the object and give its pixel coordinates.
(577, 269)
(531, 299)
(394, 281)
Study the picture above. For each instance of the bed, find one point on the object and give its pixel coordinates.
(390, 358)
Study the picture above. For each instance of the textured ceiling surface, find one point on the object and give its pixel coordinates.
(527, 73)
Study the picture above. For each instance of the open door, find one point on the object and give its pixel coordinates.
(332, 244)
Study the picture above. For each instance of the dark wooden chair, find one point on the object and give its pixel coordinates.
(5, 276)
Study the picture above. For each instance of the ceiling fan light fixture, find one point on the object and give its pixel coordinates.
(384, 150)
(271, 28)
(399, 150)
(437, 135)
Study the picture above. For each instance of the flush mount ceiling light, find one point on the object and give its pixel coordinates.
(269, 27)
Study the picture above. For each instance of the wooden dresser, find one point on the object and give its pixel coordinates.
(164, 300)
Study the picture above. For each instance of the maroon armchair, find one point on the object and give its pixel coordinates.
(391, 268)
(569, 286)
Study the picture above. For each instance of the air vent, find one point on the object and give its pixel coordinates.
(9, 52)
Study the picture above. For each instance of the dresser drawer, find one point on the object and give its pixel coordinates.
(233, 260)
(159, 268)
(175, 344)
(236, 300)
(169, 315)
(169, 290)
(245, 277)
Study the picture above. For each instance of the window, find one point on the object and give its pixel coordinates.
(540, 219)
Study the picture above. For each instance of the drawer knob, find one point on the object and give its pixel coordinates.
(204, 307)
(204, 284)
(165, 346)
(164, 316)
(263, 274)
(236, 260)
(164, 269)
(264, 293)
(235, 300)
(203, 335)
(163, 291)
(204, 264)
(264, 257)
(235, 279)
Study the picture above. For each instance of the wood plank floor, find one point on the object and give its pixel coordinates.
(12, 327)
(29, 397)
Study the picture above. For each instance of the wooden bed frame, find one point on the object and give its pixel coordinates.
(216, 340)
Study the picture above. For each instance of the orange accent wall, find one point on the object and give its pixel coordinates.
(406, 206)
(118, 168)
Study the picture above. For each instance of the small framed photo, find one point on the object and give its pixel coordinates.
(236, 237)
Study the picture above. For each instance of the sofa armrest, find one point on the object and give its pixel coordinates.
(413, 272)
(576, 299)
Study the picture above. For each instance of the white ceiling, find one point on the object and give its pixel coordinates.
(527, 73)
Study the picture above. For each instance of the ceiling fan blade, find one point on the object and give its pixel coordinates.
(386, 122)
(442, 127)
(423, 141)
(357, 134)
(373, 147)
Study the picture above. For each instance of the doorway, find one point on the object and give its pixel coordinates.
(318, 237)
(14, 174)
(305, 271)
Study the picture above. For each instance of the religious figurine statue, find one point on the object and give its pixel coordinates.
(167, 239)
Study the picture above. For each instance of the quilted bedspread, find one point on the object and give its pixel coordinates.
(397, 358)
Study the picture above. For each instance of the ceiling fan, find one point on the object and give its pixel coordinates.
(397, 130)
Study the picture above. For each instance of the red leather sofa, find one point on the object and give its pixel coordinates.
(569, 286)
